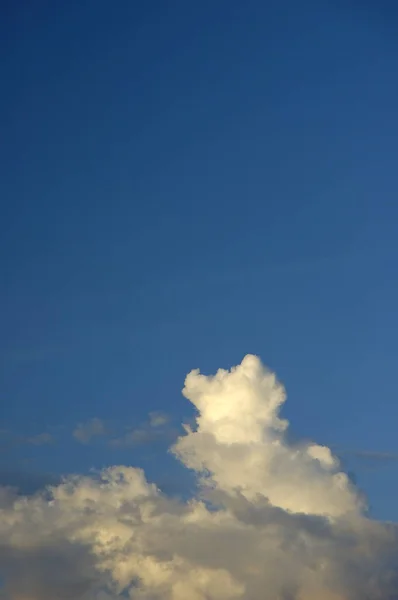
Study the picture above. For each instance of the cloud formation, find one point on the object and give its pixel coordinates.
(10, 438)
(41, 439)
(270, 521)
(371, 458)
(157, 428)
(85, 432)
(158, 418)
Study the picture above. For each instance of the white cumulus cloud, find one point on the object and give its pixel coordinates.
(270, 521)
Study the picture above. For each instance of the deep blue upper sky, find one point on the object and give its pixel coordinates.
(186, 182)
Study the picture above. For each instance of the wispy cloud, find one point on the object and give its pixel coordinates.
(25, 479)
(375, 455)
(158, 419)
(11, 438)
(85, 432)
(157, 428)
(369, 459)
(145, 435)
(41, 439)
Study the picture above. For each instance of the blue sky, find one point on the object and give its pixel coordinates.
(183, 183)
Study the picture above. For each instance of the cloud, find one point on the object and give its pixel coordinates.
(10, 438)
(374, 455)
(158, 419)
(85, 432)
(41, 439)
(157, 428)
(270, 520)
(26, 481)
(367, 459)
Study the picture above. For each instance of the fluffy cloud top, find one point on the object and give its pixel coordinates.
(239, 443)
(270, 520)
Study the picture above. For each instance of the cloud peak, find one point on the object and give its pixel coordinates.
(239, 443)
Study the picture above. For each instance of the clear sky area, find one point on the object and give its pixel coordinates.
(183, 184)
